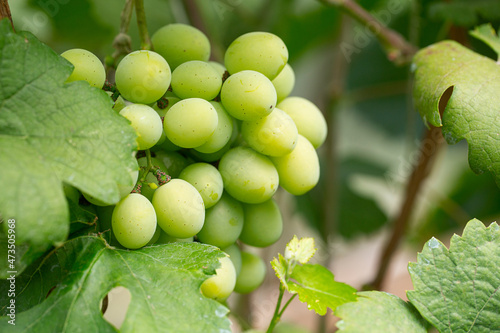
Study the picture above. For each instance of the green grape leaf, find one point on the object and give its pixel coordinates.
(379, 312)
(458, 290)
(280, 265)
(51, 132)
(316, 286)
(465, 12)
(472, 109)
(164, 282)
(300, 250)
(487, 34)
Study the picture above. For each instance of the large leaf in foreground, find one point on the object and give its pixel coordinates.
(379, 312)
(164, 282)
(472, 112)
(458, 290)
(315, 286)
(51, 132)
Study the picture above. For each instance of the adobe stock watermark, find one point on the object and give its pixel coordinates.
(362, 35)
(38, 20)
(11, 270)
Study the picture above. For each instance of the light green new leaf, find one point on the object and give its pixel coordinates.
(280, 265)
(458, 290)
(51, 132)
(487, 34)
(300, 250)
(316, 286)
(472, 112)
(379, 312)
(164, 282)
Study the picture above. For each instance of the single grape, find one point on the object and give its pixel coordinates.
(309, 120)
(196, 79)
(134, 221)
(223, 223)
(299, 170)
(263, 224)
(190, 122)
(222, 133)
(248, 176)
(206, 179)
(248, 95)
(179, 43)
(179, 208)
(252, 274)
(258, 51)
(142, 77)
(173, 161)
(234, 253)
(221, 285)
(87, 67)
(125, 189)
(274, 135)
(71, 193)
(146, 122)
(284, 82)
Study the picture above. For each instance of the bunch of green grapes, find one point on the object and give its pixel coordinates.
(227, 135)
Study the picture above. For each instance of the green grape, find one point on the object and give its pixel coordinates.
(234, 253)
(252, 274)
(248, 176)
(223, 223)
(221, 285)
(165, 238)
(173, 161)
(274, 135)
(196, 79)
(206, 179)
(167, 103)
(87, 67)
(284, 82)
(263, 224)
(134, 221)
(248, 95)
(125, 189)
(142, 77)
(190, 122)
(222, 133)
(179, 208)
(218, 67)
(309, 120)
(258, 51)
(179, 43)
(146, 122)
(299, 170)
(151, 185)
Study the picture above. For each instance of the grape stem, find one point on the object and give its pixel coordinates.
(141, 24)
(398, 49)
(122, 42)
(5, 12)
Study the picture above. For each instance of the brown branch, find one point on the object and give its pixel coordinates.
(430, 145)
(5, 11)
(398, 49)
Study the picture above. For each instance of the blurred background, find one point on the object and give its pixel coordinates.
(374, 131)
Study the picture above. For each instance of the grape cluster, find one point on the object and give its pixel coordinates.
(227, 135)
